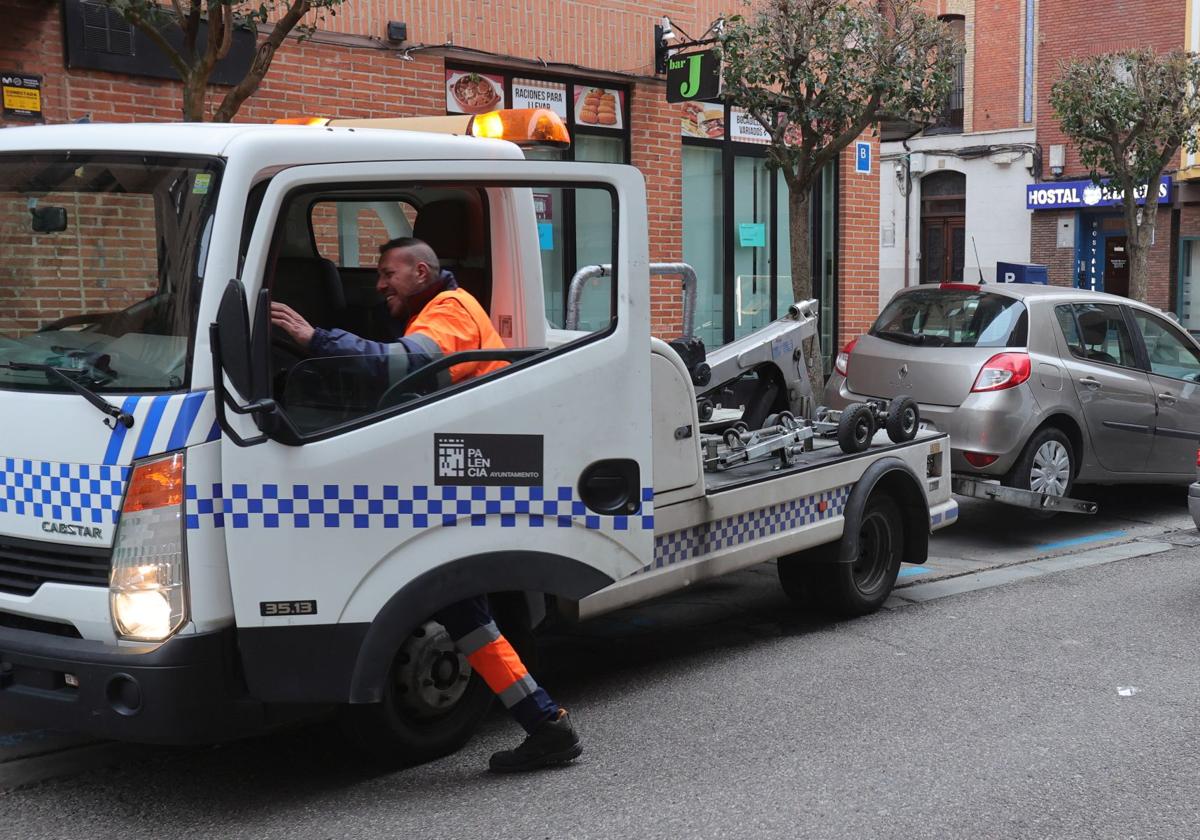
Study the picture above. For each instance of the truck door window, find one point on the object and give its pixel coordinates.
(358, 368)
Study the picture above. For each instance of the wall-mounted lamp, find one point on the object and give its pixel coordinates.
(397, 31)
(663, 32)
(1058, 159)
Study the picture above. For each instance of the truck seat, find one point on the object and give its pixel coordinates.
(311, 286)
(453, 227)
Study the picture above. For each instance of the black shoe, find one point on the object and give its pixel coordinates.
(554, 742)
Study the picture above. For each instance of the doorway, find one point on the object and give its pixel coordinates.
(943, 227)
(1116, 265)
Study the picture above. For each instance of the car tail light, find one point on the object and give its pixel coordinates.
(960, 287)
(979, 460)
(1004, 370)
(842, 363)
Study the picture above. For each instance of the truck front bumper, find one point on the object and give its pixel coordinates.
(185, 690)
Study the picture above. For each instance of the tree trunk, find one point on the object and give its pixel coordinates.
(195, 92)
(800, 237)
(1138, 242)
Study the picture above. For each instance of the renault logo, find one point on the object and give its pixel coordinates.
(903, 371)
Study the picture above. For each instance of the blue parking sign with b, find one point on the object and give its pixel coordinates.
(862, 157)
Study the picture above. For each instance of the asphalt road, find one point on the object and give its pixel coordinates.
(723, 712)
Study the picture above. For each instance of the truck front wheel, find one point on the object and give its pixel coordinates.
(432, 702)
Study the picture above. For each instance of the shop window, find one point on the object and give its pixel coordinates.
(703, 238)
(1189, 283)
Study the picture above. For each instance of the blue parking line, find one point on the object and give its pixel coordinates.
(1104, 535)
(909, 571)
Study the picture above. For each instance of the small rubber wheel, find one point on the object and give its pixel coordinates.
(856, 428)
(903, 419)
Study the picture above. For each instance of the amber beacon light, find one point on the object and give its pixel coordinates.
(523, 126)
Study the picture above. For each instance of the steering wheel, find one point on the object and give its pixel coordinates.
(404, 390)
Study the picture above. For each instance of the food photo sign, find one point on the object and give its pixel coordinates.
(599, 107)
(473, 93)
(703, 119)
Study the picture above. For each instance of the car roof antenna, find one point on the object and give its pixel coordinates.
(977, 264)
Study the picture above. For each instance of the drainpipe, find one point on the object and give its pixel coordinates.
(907, 191)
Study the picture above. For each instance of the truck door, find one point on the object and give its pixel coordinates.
(375, 479)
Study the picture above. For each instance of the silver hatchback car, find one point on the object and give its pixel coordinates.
(1039, 386)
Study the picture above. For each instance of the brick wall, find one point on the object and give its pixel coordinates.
(998, 49)
(363, 77)
(48, 276)
(1070, 29)
(858, 246)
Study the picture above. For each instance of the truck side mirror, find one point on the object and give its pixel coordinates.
(234, 336)
(244, 357)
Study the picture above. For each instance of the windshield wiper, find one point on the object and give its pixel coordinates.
(119, 416)
(902, 337)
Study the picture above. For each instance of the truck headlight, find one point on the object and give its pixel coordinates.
(147, 589)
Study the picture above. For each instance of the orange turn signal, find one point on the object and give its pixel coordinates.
(523, 126)
(155, 484)
(303, 121)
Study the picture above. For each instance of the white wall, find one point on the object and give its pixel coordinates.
(996, 214)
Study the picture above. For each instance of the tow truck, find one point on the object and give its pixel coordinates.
(206, 532)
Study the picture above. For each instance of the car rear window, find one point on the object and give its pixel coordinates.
(953, 318)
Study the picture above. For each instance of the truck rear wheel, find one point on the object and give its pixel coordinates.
(432, 702)
(862, 585)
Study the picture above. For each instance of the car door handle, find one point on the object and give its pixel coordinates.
(1090, 381)
(1167, 399)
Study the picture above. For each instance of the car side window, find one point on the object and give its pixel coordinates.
(1170, 353)
(1102, 335)
(1065, 315)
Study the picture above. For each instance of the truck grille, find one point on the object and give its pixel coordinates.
(25, 565)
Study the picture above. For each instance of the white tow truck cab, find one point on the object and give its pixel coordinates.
(204, 530)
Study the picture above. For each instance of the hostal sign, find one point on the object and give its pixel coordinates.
(1058, 195)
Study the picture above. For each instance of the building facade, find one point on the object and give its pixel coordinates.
(712, 201)
(1075, 231)
(952, 196)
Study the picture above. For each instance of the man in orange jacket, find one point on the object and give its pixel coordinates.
(439, 319)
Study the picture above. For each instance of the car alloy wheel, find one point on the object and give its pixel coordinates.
(1051, 470)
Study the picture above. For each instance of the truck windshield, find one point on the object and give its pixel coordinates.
(953, 318)
(103, 256)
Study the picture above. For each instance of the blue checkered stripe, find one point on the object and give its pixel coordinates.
(84, 493)
(393, 506)
(699, 540)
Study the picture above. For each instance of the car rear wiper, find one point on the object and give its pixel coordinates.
(902, 337)
(119, 416)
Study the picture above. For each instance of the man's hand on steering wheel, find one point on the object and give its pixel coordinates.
(292, 323)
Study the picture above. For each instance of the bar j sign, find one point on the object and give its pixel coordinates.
(1056, 195)
(693, 77)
